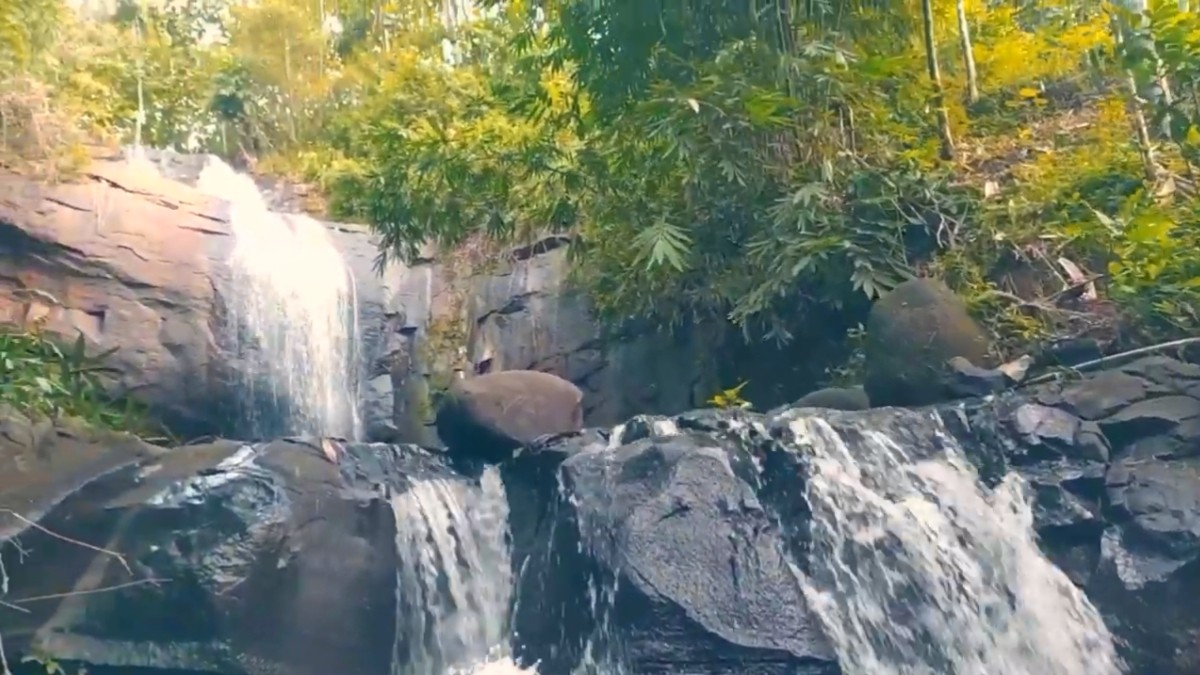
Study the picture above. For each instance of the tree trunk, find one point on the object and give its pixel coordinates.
(1137, 116)
(935, 76)
(964, 34)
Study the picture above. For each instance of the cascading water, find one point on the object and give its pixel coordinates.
(294, 316)
(916, 568)
(454, 579)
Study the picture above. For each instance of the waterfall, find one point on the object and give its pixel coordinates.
(454, 580)
(293, 316)
(916, 568)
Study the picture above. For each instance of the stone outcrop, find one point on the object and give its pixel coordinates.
(669, 544)
(220, 558)
(490, 416)
(642, 515)
(41, 463)
(688, 570)
(525, 316)
(140, 262)
(124, 257)
(835, 398)
(912, 332)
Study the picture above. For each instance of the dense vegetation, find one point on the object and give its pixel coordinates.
(761, 162)
(46, 378)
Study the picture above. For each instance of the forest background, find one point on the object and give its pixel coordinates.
(764, 164)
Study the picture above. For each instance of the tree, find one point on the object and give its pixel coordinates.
(935, 77)
(964, 33)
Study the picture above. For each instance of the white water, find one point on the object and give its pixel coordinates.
(918, 569)
(295, 311)
(454, 578)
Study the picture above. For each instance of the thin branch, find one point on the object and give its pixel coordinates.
(4, 669)
(92, 591)
(69, 540)
(1112, 358)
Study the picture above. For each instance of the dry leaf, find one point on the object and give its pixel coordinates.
(1076, 275)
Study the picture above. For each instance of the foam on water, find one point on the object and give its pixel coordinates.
(919, 569)
(454, 578)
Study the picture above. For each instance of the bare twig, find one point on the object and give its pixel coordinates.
(1113, 358)
(93, 591)
(97, 549)
(4, 669)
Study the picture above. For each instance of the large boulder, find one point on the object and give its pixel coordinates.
(912, 332)
(231, 558)
(125, 258)
(43, 461)
(657, 555)
(489, 416)
(835, 398)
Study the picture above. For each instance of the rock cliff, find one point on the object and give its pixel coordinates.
(138, 259)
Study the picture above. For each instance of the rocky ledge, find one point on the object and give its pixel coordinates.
(670, 544)
(689, 529)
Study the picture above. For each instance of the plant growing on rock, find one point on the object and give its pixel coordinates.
(42, 377)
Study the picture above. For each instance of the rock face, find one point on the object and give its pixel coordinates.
(685, 544)
(911, 333)
(41, 463)
(524, 316)
(490, 416)
(232, 559)
(140, 262)
(125, 258)
(681, 527)
(688, 569)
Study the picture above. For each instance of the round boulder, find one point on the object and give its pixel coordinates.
(911, 333)
(489, 416)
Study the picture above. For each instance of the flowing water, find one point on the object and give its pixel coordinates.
(918, 569)
(454, 578)
(293, 316)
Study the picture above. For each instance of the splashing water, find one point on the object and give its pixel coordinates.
(918, 569)
(454, 579)
(294, 316)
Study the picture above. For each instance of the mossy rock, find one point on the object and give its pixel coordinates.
(490, 416)
(911, 333)
(835, 398)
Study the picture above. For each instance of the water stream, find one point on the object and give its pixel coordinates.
(293, 317)
(918, 569)
(454, 579)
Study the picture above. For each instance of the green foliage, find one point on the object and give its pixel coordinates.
(730, 398)
(40, 377)
(761, 163)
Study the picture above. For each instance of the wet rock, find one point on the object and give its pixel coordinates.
(911, 333)
(965, 379)
(490, 416)
(1149, 572)
(222, 558)
(43, 462)
(835, 398)
(688, 569)
(636, 542)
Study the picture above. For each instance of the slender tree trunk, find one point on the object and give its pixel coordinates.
(291, 96)
(935, 76)
(1137, 116)
(964, 34)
